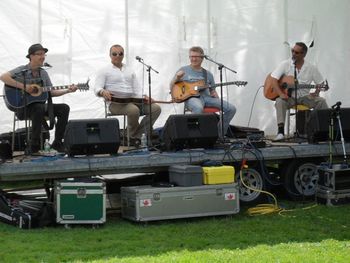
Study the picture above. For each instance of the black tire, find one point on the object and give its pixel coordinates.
(300, 178)
(253, 179)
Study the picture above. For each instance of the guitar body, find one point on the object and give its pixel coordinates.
(184, 90)
(286, 84)
(15, 98)
(270, 93)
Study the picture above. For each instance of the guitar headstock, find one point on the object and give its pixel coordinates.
(83, 86)
(326, 87)
(323, 86)
(241, 83)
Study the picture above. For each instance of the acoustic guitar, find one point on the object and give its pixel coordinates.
(184, 90)
(286, 84)
(15, 98)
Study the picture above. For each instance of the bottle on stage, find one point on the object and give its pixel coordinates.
(143, 140)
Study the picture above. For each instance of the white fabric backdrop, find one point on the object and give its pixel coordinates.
(248, 36)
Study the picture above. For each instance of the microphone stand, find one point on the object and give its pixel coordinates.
(296, 83)
(220, 67)
(336, 115)
(149, 68)
(28, 143)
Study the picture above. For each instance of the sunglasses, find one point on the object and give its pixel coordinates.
(120, 54)
(296, 52)
(39, 54)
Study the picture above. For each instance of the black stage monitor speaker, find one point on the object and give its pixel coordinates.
(319, 122)
(5, 150)
(92, 136)
(190, 131)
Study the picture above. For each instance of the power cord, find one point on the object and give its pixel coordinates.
(261, 209)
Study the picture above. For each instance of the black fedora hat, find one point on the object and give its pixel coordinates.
(34, 48)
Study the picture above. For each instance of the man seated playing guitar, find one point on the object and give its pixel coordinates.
(118, 85)
(207, 97)
(36, 110)
(306, 73)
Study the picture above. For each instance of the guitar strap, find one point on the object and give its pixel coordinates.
(49, 110)
(205, 75)
(50, 113)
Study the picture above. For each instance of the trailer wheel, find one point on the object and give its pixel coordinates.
(300, 178)
(253, 179)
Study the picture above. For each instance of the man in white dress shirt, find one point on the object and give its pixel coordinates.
(306, 73)
(118, 85)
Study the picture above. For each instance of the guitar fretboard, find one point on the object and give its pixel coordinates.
(48, 88)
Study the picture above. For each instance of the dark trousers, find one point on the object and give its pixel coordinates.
(37, 112)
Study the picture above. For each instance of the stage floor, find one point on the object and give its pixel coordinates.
(26, 168)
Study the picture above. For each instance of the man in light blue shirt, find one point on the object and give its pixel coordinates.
(208, 97)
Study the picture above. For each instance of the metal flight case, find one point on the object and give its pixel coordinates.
(80, 202)
(147, 203)
(334, 179)
(332, 198)
(333, 185)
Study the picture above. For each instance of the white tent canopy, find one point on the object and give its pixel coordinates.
(249, 36)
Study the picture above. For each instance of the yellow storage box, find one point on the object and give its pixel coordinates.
(218, 174)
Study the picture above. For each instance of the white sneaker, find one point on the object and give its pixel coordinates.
(279, 137)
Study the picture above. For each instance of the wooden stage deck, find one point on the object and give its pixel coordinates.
(54, 167)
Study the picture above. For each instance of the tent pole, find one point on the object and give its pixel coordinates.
(208, 28)
(285, 12)
(39, 22)
(126, 14)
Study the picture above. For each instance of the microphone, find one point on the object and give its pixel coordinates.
(337, 105)
(138, 58)
(205, 56)
(47, 65)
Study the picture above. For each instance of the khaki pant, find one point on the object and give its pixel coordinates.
(283, 105)
(133, 112)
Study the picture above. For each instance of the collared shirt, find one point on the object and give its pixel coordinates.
(121, 83)
(192, 75)
(308, 74)
(43, 79)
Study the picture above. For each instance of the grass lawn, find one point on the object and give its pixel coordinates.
(318, 234)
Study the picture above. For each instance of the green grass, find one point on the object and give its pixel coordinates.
(319, 234)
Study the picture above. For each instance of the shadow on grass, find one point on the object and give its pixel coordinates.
(119, 238)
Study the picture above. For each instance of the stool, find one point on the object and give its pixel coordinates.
(15, 119)
(125, 129)
(42, 134)
(205, 110)
(297, 108)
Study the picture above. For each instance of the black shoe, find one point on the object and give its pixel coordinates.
(35, 148)
(154, 135)
(136, 142)
(58, 146)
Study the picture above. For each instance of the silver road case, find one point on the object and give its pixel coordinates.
(147, 203)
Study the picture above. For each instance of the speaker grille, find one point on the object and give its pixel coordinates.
(319, 123)
(190, 131)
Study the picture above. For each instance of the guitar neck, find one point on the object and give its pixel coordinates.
(301, 86)
(306, 86)
(238, 83)
(48, 88)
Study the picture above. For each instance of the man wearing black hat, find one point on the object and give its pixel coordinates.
(36, 111)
